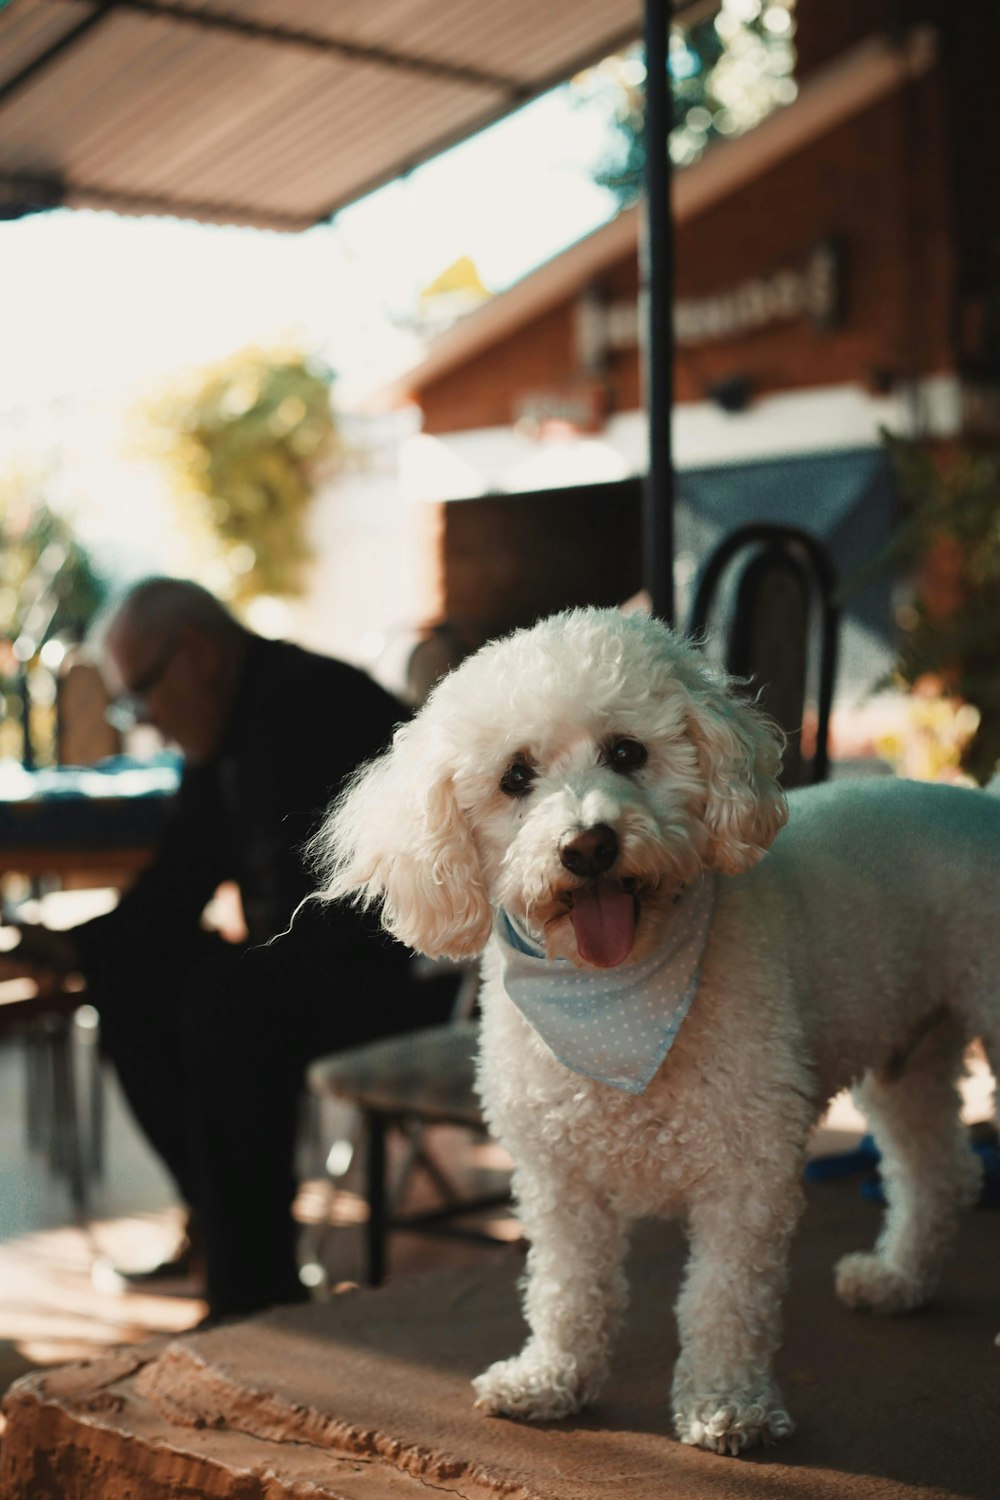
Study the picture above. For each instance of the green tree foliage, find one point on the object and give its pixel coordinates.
(728, 70)
(950, 539)
(49, 589)
(48, 584)
(246, 441)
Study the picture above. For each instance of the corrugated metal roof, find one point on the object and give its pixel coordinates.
(266, 112)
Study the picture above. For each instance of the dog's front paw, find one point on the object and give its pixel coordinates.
(532, 1389)
(731, 1424)
(869, 1284)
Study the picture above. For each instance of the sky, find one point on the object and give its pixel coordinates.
(92, 302)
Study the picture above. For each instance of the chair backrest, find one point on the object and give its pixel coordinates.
(83, 734)
(781, 633)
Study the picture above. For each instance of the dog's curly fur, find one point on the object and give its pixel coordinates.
(861, 949)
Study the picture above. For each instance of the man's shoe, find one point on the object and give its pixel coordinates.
(187, 1263)
(181, 1273)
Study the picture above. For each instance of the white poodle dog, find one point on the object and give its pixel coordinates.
(674, 988)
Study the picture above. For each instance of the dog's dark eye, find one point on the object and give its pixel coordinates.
(517, 779)
(626, 755)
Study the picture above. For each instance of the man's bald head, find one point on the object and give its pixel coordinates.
(161, 606)
(173, 650)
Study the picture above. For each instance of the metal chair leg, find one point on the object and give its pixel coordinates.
(35, 1064)
(95, 1097)
(378, 1212)
(68, 1146)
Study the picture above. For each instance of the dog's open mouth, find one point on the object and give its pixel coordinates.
(604, 916)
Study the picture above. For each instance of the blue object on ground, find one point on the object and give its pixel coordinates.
(840, 1164)
(983, 1141)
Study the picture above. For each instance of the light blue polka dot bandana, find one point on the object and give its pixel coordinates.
(614, 1025)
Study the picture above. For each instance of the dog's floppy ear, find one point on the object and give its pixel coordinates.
(397, 836)
(739, 751)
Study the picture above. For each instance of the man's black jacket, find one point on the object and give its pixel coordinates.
(300, 724)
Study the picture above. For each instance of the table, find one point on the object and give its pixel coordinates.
(68, 822)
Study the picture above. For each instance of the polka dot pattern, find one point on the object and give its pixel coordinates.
(613, 1025)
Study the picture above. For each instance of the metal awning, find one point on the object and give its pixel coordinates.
(274, 113)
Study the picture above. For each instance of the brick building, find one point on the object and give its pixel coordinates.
(837, 272)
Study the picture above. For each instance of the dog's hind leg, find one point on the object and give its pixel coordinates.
(929, 1173)
(574, 1295)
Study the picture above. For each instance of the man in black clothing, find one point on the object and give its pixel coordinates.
(210, 1039)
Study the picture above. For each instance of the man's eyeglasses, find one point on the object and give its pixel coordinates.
(125, 711)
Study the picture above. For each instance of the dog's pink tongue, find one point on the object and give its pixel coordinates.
(604, 923)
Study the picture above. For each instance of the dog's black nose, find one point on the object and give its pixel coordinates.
(591, 851)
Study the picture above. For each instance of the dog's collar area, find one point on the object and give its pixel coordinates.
(613, 1025)
(521, 937)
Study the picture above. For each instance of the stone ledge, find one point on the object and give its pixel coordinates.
(76, 1450)
(367, 1397)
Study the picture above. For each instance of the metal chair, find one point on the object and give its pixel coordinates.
(68, 1129)
(782, 630)
(408, 1085)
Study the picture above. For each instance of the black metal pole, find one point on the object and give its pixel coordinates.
(658, 285)
(27, 743)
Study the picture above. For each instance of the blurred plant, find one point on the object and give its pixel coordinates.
(246, 441)
(930, 734)
(620, 82)
(950, 542)
(49, 593)
(727, 72)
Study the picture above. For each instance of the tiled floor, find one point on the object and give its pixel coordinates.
(58, 1296)
(50, 1307)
